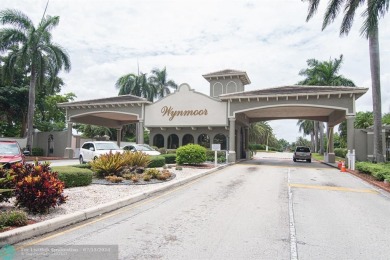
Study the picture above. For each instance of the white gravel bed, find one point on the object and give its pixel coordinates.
(80, 198)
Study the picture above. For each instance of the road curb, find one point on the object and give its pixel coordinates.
(22, 233)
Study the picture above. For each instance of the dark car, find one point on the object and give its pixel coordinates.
(302, 153)
(10, 153)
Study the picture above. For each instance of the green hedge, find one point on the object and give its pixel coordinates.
(170, 158)
(37, 151)
(221, 156)
(191, 154)
(74, 177)
(340, 152)
(380, 171)
(156, 161)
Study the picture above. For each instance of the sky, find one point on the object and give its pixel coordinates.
(269, 39)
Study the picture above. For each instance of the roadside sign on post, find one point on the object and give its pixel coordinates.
(216, 148)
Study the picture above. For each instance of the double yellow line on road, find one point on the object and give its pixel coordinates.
(332, 188)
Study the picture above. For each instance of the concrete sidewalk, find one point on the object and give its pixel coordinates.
(26, 232)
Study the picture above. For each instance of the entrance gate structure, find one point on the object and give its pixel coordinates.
(188, 116)
(328, 104)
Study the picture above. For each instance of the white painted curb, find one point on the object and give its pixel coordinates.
(19, 234)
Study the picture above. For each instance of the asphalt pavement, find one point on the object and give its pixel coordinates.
(267, 208)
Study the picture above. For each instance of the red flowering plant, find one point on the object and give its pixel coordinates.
(37, 188)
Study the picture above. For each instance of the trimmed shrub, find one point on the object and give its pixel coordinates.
(37, 151)
(13, 218)
(74, 177)
(37, 187)
(191, 154)
(340, 152)
(221, 156)
(380, 171)
(107, 164)
(156, 161)
(170, 158)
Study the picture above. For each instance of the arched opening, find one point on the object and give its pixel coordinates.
(204, 140)
(188, 139)
(173, 141)
(158, 140)
(220, 139)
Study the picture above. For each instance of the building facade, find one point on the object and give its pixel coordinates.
(222, 117)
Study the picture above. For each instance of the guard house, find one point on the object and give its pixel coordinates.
(223, 116)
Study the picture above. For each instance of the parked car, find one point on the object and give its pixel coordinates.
(141, 148)
(89, 151)
(302, 153)
(10, 153)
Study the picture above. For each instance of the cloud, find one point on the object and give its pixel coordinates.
(269, 39)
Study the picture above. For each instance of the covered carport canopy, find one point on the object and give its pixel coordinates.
(330, 104)
(113, 112)
(321, 103)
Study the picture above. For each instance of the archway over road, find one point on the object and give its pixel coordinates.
(328, 104)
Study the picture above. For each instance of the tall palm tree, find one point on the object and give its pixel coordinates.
(136, 85)
(36, 52)
(262, 133)
(373, 11)
(364, 120)
(323, 73)
(159, 79)
(307, 127)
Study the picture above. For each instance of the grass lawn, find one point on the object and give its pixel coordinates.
(320, 157)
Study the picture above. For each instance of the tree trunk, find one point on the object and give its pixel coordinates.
(321, 137)
(23, 125)
(30, 111)
(376, 94)
(316, 136)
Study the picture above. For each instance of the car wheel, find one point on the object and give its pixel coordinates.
(81, 160)
(94, 158)
(308, 160)
(294, 160)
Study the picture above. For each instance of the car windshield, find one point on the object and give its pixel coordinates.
(144, 147)
(9, 149)
(106, 146)
(303, 149)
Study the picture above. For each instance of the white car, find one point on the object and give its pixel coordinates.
(141, 148)
(92, 150)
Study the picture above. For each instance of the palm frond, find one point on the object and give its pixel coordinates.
(331, 12)
(15, 18)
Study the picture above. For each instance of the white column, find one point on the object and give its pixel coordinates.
(140, 132)
(232, 139)
(350, 132)
(118, 136)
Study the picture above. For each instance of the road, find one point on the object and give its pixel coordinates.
(266, 208)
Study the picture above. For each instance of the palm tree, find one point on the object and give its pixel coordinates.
(364, 120)
(323, 73)
(262, 133)
(162, 85)
(307, 127)
(36, 52)
(136, 85)
(374, 10)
